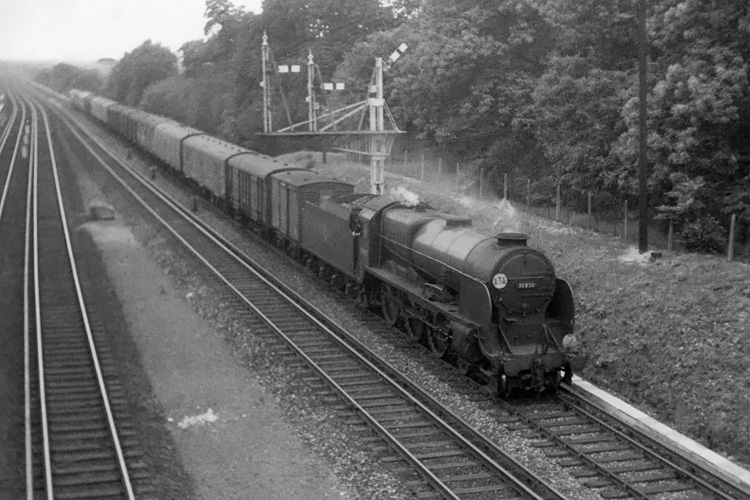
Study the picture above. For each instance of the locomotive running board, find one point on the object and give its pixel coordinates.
(450, 309)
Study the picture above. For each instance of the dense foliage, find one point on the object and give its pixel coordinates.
(147, 64)
(63, 77)
(545, 89)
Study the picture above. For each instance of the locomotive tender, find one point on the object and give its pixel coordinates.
(490, 304)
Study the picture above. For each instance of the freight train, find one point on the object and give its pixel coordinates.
(491, 305)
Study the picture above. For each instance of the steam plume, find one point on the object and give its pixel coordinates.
(507, 219)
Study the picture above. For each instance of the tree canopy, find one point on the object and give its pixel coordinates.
(146, 64)
(542, 88)
(63, 77)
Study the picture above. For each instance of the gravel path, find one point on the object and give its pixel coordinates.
(228, 430)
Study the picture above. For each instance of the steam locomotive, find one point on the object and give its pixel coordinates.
(491, 305)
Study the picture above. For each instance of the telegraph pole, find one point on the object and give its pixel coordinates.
(377, 153)
(642, 142)
(266, 88)
(311, 111)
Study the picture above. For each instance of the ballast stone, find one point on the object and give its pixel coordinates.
(101, 211)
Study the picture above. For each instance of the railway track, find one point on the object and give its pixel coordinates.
(612, 456)
(607, 455)
(13, 187)
(79, 440)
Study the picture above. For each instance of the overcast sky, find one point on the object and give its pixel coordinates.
(85, 30)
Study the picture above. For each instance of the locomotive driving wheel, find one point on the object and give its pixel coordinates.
(365, 297)
(362, 299)
(415, 329)
(391, 306)
(391, 310)
(439, 341)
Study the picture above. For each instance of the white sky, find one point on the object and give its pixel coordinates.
(86, 30)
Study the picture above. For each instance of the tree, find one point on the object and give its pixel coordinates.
(328, 28)
(147, 64)
(226, 68)
(578, 100)
(577, 110)
(698, 115)
(468, 81)
(173, 97)
(63, 77)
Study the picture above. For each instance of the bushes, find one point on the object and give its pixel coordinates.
(704, 235)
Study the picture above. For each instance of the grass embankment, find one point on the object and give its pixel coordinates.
(671, 336)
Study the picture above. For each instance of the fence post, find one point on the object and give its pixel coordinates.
(732, 227)
(505, 186)
(614, 217)
(670, 235)
(625, 231)
(440, 169)
(557, 207)
(528, 193)
(481, 181)
(590, 224)
(421, 176)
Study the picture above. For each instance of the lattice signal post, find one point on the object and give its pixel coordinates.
(375, 142)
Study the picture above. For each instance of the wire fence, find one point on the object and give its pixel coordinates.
(601, 212)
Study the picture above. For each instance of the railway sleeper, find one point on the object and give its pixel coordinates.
(137, 466)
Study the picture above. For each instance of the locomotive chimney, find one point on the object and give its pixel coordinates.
(511, 239)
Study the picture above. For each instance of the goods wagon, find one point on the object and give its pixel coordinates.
(203, 161)
(77, 98)
(87, 102)
(168, 140)
(99, 107)
(248, 184)
(290, 190)
(125, 119)
(146, 124)
(117, 120)
(137, 120)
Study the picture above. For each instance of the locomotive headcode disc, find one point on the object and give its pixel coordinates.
(499, 281)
